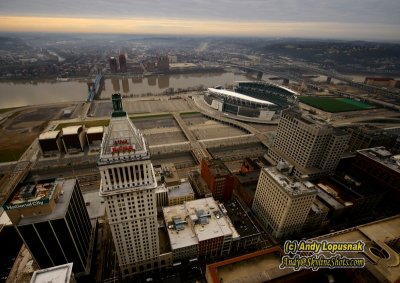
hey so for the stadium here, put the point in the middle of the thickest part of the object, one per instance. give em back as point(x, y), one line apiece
point(251, 99)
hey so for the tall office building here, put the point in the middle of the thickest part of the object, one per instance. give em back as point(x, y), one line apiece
point(311, 145)
point(122, 63)
point(162, 63)
point(53, 222)
point(113, 65)
point(128, 186)
point(281, 203)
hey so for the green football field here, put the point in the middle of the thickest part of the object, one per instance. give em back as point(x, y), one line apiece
point(334, 104)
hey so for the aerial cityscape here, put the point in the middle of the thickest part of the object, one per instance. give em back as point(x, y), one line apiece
point(155, 142)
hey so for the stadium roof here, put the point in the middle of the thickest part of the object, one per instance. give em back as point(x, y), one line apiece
point(224, 92)
point(275, 85)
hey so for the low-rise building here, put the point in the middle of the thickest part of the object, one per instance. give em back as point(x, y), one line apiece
point(180, 194)
point(199, 186)
point(50, 142)
point(199, 228)
point(218, 178)
point(167, 174)
point(94, 136)
point(245, 186)
point(57, 274)
point(316, 218)
point(74, 138)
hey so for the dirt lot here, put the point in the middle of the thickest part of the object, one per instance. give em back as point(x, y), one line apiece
point(22, 127)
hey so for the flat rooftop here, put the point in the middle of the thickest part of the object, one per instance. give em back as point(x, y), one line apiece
point(381, 254)
point(378, 236)
point(291, 187)
point(218, 225)
point(49, 135)
point(329, 199)
point(382, 156)
point(217, 167)
point(184, 236)
point(319, 207)
point(170, 173)
point(67, 186)
point(196, 221)
point(71, 130)
point(181, 190)
point(95, 204)
point(56, 274)
point(240, 219)
point(95, 130)
point(250, 177)
point(30, 195)
point(260, 266)
point(303, 170)
point(306, 117)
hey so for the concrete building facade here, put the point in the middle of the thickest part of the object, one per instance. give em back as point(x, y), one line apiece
point(128, 186)
point(312, 146)
point(281, 203)
point(368, 136)
point(74, 138)
point(51, 142)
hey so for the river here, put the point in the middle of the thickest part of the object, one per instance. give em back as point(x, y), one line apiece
point(21, 93)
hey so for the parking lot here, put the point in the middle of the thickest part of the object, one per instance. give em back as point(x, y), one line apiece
point(134, 106)
point(204, 128)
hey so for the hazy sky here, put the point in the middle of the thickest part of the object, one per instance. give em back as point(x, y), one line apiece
point(357, 19)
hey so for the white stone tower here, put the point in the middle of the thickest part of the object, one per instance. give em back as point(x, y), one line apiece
point(128, 186)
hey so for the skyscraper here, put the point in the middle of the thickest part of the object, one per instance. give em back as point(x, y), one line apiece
point(311, 145)
point(53, 222)
point(128, 186)
point(281, 203)
point(122, 63)
point(113, 65)
point(162, 63)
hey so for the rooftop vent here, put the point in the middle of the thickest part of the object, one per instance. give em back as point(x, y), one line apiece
point(28, 191)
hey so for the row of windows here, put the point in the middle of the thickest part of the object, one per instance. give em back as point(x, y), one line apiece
point(139, 174)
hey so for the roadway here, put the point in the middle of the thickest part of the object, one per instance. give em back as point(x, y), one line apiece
point(198, 150)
